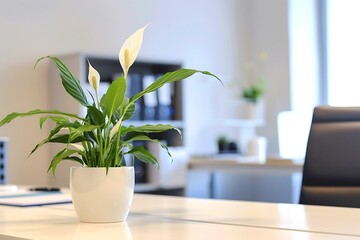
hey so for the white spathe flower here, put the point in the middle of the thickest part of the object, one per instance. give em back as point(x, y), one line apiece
point(77, 146)
point(115, 129)
point(94, 78)
point(130, 50)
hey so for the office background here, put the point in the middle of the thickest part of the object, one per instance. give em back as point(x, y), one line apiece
point(207, 34)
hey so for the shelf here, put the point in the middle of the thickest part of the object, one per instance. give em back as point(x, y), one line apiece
point(177, 124)
point(241, 122)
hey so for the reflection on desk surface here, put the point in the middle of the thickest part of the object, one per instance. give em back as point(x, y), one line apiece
point(175, 218)
point(274, 181)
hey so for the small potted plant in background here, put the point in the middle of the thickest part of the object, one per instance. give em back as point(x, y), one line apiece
point(102, 186)
point(222, 143)
point(253, 102)
point(226, 146)
point(254, 92)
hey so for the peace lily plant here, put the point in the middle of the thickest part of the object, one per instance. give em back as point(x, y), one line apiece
point(100, 139)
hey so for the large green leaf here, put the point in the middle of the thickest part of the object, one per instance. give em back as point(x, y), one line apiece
point(40, 144)
point(70, 83)
point(75, 133)
point(110, 158)
point(149, 128)
point(95, 115)
point(168, 78)
point(60, 126)
point(55, 130)
point(61, 138)
point(64, 138)
point(64, 154)
point(52, 133)
point(56, 119)
point(130, 110)
point(14, 115)
point(135, 136)
point(143, 155)
point(114, 96)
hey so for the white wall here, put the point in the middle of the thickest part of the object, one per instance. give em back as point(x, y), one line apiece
point(206, 34)
point(269, 32)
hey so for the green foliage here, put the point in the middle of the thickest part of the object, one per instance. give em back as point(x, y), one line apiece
point(114, 96)
point(254, 92)
point(87, 139)
point(222, 140)
point(70, 83)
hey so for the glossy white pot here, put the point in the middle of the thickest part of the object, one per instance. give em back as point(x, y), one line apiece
point(99, 197)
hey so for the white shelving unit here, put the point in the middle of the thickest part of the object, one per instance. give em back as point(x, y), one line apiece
point(176, 123)
point(246, 130)
point(243, 123)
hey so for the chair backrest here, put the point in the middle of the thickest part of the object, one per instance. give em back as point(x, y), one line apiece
point(331, 173)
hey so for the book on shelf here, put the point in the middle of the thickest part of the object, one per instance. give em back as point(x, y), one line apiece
point(133, 86)
point(150, 99)
point(165, 110)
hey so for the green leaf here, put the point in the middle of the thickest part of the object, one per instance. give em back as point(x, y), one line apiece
point(61, 126)
point(95, 115)
point(40, 144)
point(56, 119)
point(75, 159)
point(135, 136)
point(46, 140)
point(114, 96)
point(148, 128)
point(143, 155)
point(130, 111)
point(80, 130)
point(61, 156)
point(14, 115)
point(64, 138)
point(255, 91)
point(70, 83)
point(61, 138)
point(110, 158)
point(168, 78)
point(58, 138)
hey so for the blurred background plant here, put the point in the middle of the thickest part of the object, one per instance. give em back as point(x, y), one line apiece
point(256, 87)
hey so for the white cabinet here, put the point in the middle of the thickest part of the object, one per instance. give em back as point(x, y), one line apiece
point(240, 178)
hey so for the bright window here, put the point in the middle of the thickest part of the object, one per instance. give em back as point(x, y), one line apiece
point(343, 50)
point(294, 125)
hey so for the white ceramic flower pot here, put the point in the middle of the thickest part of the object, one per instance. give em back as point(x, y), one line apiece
point(101, 198)
point(254, 110)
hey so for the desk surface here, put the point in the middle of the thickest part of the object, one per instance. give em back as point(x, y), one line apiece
point(182, 218)
point(233, 162)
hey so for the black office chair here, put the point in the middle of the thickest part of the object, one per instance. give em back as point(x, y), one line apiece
point(331, 173)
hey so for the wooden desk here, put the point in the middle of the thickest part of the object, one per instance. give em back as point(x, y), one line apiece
point(161, 217)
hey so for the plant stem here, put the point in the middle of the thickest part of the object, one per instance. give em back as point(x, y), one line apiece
point(100, 148)
point(118, 134)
